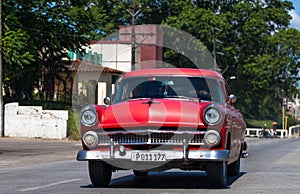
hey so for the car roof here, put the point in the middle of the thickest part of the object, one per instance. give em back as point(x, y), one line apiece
point(173, 71)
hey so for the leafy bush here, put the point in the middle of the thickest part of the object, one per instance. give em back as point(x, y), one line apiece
point(73, 125)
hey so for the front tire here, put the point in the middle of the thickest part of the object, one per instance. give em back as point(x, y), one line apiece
point(100, 173)
point(217, 174)
point(234, 168)
point(140, 173)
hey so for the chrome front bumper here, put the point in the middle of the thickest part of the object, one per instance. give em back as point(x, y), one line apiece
point(200, 155)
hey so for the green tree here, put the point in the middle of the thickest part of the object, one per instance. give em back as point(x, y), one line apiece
point(263, 65)
point(42, 32)
point(259, 48)
point(17, 56)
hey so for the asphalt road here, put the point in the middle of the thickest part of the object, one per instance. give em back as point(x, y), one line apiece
point(16, 152)
point(44, 166)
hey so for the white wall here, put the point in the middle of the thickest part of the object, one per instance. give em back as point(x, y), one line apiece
point(101, 92)
point(34, 122)
point(116, 56)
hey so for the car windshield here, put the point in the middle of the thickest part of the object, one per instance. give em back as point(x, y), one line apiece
point(201, 88)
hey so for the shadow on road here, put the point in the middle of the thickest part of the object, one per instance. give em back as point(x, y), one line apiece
point(168, 180)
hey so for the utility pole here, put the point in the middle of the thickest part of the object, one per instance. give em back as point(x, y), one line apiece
point(214, 48)
point(133, 13)
point(214, 41)
point(1, 94)
point(133, 35)
point(283, 116)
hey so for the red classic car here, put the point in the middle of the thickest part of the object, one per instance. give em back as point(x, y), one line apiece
point(162, 119)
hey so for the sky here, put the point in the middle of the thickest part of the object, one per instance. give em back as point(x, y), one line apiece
point(295, 23)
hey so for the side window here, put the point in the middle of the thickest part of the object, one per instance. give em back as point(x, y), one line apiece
point(225, 90)
point(122, 92)
point(125, 92)
point(216, 91)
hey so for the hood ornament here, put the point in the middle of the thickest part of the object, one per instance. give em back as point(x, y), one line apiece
point(150, 102)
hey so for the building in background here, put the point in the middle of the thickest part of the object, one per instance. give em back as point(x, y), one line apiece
point(94, 72)
point(292, 106)
point(296, 107)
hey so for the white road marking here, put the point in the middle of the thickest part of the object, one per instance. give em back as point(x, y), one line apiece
point(48, 185)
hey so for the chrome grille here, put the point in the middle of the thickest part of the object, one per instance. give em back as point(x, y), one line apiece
point(129, 138)
point(151, 137)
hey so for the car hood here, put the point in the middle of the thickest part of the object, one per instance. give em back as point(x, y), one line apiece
point(154, 112)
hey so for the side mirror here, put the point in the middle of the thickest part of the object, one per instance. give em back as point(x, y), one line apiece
point(107, 100)
point(232, 99)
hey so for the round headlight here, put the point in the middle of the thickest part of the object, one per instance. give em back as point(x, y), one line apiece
point(212, 116)
point(88, 117)
point(212, 138)
point(90, 138)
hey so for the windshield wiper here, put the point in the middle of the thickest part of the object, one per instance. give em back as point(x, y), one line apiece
point(175, 96)
point(138, 98)
point(184, 97)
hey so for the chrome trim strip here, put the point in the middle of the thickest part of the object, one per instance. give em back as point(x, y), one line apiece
point(145, 143)
point(199, 155)
point(185, 150)
point(147, 131)
point(153, 137)
point(112, 149)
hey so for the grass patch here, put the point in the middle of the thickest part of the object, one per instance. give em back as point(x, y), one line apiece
point(74, 125)
point(252, 123)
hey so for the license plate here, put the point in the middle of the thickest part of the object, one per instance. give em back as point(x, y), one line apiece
point(148, 156)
